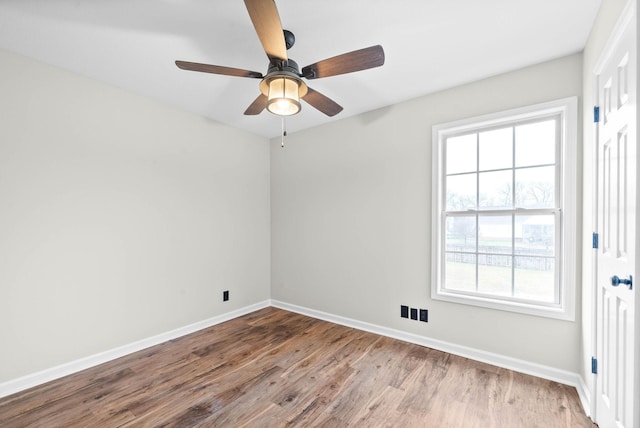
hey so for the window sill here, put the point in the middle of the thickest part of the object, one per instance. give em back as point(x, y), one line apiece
point(551, 310)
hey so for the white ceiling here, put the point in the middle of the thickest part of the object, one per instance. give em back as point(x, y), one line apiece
point(429, 45)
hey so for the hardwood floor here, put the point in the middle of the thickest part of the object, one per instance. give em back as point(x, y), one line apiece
point(275, 368)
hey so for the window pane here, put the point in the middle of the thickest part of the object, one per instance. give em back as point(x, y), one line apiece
point(461, 234)
point(535, 187)
point(500, 182)
point(494, 274)
point(461, 192)
point(535, 235)
point(536, 143)
point(534, 279)
point(461, 154)
point(495, 234)
point(496, 149)
point(460, 272)
point(495, 189)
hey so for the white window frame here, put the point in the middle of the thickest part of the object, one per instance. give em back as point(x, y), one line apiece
point(566, 254)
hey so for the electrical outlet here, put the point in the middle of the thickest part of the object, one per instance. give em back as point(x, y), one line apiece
point(414, 314)
point(225, 295)
point(424, 315)
point(404, 311)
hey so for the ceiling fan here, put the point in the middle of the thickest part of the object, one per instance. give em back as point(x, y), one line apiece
point(282, 87)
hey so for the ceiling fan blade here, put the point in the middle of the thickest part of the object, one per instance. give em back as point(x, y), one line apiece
point(218, 69)
point(321, 102)
point(257, 105)
point(266, 21)
point(361, 59)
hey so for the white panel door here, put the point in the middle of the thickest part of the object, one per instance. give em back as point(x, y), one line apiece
point(617, 398)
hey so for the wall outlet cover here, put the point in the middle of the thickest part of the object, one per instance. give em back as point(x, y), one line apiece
point(414, 314)
point(424, 315)
point(404, 311)
point(225, 295)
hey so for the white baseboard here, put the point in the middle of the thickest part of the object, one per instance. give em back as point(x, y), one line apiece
point(35, 379)
point(522, 366)
point(584, 392)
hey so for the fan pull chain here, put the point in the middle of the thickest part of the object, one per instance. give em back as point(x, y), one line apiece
point(284, 132)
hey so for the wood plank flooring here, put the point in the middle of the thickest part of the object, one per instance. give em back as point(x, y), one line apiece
point(274, 368)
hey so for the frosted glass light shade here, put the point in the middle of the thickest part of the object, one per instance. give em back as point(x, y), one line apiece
point(283, 98)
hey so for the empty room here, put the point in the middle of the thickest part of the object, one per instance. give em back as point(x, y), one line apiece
point(274, 213)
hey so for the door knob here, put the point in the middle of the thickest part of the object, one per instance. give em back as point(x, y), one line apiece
point(615, 281)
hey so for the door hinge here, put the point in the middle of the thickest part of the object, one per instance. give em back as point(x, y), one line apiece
point(596, 114)
point(594, 243)
point(594, 365)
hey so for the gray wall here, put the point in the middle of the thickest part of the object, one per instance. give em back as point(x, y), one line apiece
point(120, 218)
point(351, 218)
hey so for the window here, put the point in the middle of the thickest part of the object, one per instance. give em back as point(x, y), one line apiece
point(504, 221)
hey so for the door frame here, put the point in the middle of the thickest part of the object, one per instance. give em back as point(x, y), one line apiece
point(628, 16)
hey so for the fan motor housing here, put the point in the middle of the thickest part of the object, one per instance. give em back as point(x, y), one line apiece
point(290, 70)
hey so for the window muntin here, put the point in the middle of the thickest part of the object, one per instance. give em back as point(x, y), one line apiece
point(499, 205)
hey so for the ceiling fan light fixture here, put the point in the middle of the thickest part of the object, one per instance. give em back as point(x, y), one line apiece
point(283, 96)
point(282, 87)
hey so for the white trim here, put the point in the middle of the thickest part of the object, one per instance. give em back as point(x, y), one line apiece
point(521, 366)
point(627, 17)
point(584, 393)
point(568, 107)
point(38, 378)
